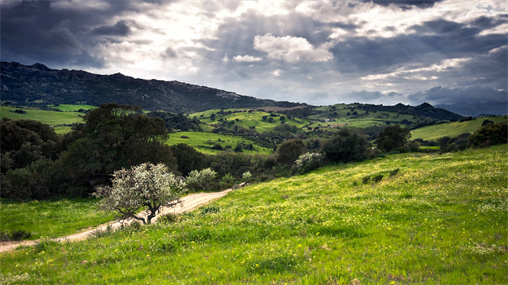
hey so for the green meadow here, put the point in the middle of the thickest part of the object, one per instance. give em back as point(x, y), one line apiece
point(354, 117)
point(45, 116)
point(72, 108)
point(204, 142)
point(51, 218)
point(453, 129)
point(247, 119)
point(429, 219)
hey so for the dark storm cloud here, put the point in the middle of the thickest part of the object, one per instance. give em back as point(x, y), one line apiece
point(405, 4)
point(119, 29)
point(432, 41)
point(440, 95)
point(489, 69)
point(43, 31)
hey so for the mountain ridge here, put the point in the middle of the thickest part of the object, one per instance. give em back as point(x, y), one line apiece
point(39, 84)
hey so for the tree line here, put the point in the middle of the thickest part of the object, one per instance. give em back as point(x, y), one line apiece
point(36, 163)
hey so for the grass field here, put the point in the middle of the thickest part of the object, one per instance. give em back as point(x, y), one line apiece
point(247, 119)
point(453, 129)
point(47, 117)
point(349, 115)
point(72, 108)
point(439, 219)
point(203, 142)
point(50, 218)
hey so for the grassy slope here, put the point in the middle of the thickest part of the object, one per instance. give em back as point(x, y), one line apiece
point(441, 219)
point(246, 119)
point(453, 129)
point(203, 141)
point(50, 218)
point(47, 117)
point(72, 108)
point(362, 120)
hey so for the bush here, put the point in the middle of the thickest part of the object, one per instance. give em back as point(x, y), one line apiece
point(393, 137)
point(246, 175)
point(36, 181)
point(14, 235)
point(394, 172)
point(377, 178)
point(490, 134)
point(309, 161)
point(227, 181)
point(289, 151)
point(347, 145)
point(188, 158)
point(201, 180)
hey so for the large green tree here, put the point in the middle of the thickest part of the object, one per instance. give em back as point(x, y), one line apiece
point(289, 151)
point(188, 158)
point(114, 137)
point(26, 141)
point(393, 137)
point(345, 146)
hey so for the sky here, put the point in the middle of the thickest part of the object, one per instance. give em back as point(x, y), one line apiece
point(318, 52)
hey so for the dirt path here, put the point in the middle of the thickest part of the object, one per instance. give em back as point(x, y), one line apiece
point(189, 203)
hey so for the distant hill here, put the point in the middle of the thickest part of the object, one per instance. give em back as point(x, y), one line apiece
point(37, 84)
point(480, 109)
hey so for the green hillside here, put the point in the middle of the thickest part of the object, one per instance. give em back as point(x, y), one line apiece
point(204, 142)
point(438, 219)
point(72, 108)
point(352, 115)
point(246, 118)
point(61, 121)
point(452, 129)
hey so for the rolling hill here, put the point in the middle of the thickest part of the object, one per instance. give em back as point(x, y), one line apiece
point(420, 224)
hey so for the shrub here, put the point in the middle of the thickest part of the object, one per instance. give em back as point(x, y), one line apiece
point(188, 158)
point(35, 181)
point(347, 145)
point(490, 134)
point(309, 161)
point(377, 178)
point(145, 185)
point(203, 179)
point(394, 172)
point(14, 235)
point(393, 137)
point(289, 151)
point(167, 219)
point(227, 181)
point(246, 175)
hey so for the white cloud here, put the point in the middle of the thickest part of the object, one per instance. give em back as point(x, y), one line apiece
point(246, 58)
point(290, 49)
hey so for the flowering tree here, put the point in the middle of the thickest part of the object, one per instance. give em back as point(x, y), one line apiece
point(309, 161)
point(145, 185)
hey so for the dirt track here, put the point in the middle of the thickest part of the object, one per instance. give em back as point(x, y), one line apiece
point(189, 203)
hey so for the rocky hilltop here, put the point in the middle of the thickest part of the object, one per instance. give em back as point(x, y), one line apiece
point(38, 84)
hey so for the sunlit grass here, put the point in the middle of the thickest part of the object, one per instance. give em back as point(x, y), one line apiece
point(72, 108)
point(452, 129)
point(439, 219)
point(47, 117)
point(247, 119)
point(203, 142)
point(52, 218)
